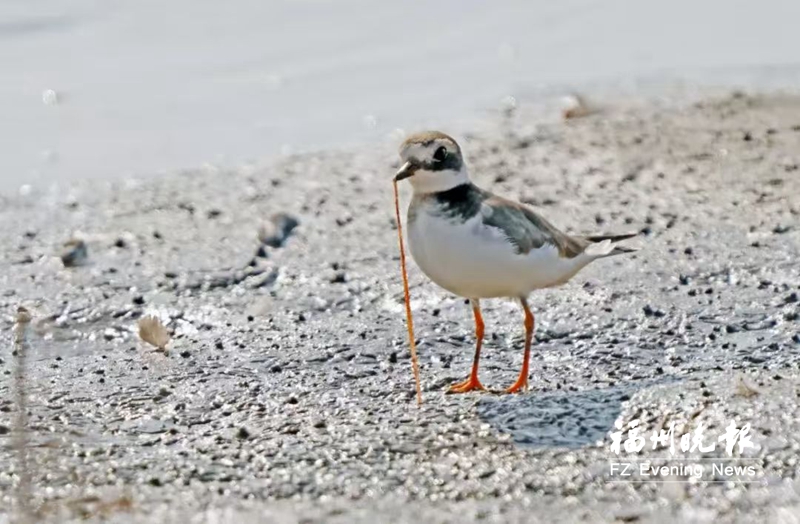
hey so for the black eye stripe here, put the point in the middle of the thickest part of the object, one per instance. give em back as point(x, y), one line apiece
point(449, 162)
point(440, 154)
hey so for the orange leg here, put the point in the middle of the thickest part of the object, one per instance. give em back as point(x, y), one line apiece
point(472, 383)
point(522, 382)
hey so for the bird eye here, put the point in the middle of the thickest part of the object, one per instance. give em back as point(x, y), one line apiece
point(440, 154)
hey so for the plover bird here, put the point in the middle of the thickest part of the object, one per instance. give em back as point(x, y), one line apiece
point(479, 245)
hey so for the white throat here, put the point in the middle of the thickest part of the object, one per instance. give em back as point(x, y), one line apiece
point(435, 181)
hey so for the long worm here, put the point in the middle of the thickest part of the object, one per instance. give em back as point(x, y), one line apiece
point(409, 317)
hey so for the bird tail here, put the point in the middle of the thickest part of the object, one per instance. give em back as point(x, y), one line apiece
point(606, 245)
point(613, 238)
point(621, 250)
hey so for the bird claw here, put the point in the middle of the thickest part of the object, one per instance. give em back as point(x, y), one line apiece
point(520, 386)
point(471, 384)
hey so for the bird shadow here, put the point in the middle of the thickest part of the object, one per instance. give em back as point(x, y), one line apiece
point(569, 419)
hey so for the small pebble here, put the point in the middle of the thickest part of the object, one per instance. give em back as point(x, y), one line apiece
point(50, 97)
point(652, 312)
point(75, 253)
point(275, 232)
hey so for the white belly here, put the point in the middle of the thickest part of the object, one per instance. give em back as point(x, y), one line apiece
point(473, 260)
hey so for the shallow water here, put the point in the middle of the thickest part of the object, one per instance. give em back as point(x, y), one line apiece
point(93, 88)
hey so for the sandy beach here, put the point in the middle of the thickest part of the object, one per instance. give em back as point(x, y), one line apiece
point(286, 393)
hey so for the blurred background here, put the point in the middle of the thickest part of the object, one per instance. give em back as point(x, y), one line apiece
point(112, 88)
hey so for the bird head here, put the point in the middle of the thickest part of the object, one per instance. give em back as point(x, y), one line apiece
point(432, 162)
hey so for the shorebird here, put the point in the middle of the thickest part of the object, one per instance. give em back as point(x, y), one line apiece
point(479, 245)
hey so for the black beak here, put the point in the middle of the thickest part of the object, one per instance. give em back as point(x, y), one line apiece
point(405, 171)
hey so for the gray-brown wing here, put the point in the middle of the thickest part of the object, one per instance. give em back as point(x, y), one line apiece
point(526, 229)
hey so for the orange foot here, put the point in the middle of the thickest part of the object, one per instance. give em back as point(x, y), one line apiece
point(471, 384)
point(519, 386)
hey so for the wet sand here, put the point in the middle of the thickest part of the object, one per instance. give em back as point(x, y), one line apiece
point(286, 394)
